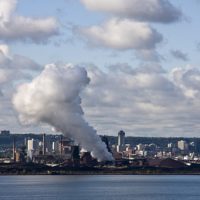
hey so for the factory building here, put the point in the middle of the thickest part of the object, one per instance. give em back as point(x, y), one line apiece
point(65, 147)
point(55, 147)
point(88, 160)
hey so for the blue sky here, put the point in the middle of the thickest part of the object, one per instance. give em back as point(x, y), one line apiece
point(182, 35)
point(126, 54)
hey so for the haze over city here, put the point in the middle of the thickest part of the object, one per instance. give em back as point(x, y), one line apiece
point(111, 66)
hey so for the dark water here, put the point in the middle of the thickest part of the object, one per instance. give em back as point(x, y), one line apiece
point(99, 187)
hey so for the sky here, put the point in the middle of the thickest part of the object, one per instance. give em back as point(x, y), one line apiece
point(141, 56)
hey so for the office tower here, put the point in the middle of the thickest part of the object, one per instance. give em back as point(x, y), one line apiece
point(121, 141)
point(183, 145)
point(30, 148)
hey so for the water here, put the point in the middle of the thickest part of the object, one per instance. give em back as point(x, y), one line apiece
point(99, 187)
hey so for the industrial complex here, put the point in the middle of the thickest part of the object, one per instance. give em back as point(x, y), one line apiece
point(59, 152)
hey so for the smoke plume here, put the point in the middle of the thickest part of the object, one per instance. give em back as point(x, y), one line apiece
point(54, 98)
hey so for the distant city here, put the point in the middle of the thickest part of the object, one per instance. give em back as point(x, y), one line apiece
point(56, 150)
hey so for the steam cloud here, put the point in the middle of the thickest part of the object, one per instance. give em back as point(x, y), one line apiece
point(53, 98)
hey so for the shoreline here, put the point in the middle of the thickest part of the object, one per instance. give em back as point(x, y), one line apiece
point(81, 174)
point(41, 169)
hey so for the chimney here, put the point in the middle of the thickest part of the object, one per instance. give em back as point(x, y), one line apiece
point(61, 145)
point(14, 149)
point(44, 144)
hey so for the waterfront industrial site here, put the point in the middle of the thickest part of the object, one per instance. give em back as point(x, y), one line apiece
point(56, 154)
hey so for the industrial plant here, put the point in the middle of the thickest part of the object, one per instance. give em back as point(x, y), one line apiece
point(20, 153)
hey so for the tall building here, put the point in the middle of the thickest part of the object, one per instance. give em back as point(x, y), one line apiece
point(183, 145)
point(121, 141)
point(31, 147)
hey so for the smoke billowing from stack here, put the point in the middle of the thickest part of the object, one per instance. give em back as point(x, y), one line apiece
point(53, 98)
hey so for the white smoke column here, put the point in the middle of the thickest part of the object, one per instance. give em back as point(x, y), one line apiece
point(53, 98)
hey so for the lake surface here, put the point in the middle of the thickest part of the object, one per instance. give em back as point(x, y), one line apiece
point(99, 187)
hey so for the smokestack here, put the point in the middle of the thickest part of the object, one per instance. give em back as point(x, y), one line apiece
point(14, 149)
point(54, 98)
point(44, 144)
point(61, 145)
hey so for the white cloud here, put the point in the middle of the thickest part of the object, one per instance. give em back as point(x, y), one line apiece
point(6, 9)
point(13, 70)
point(15, 67)
point(14, 27)
point(188, 80)
point(129, 26)
point(146, 10)
point(144, 101)
point(122, 35)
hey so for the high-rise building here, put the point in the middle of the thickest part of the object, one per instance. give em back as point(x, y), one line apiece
point(183, 145)
point(31, 147)
point(121, 141)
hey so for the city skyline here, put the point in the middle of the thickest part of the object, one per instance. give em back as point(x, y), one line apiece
point(142, 65)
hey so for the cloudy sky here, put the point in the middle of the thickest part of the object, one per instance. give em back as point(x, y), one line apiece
point(142, 58)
